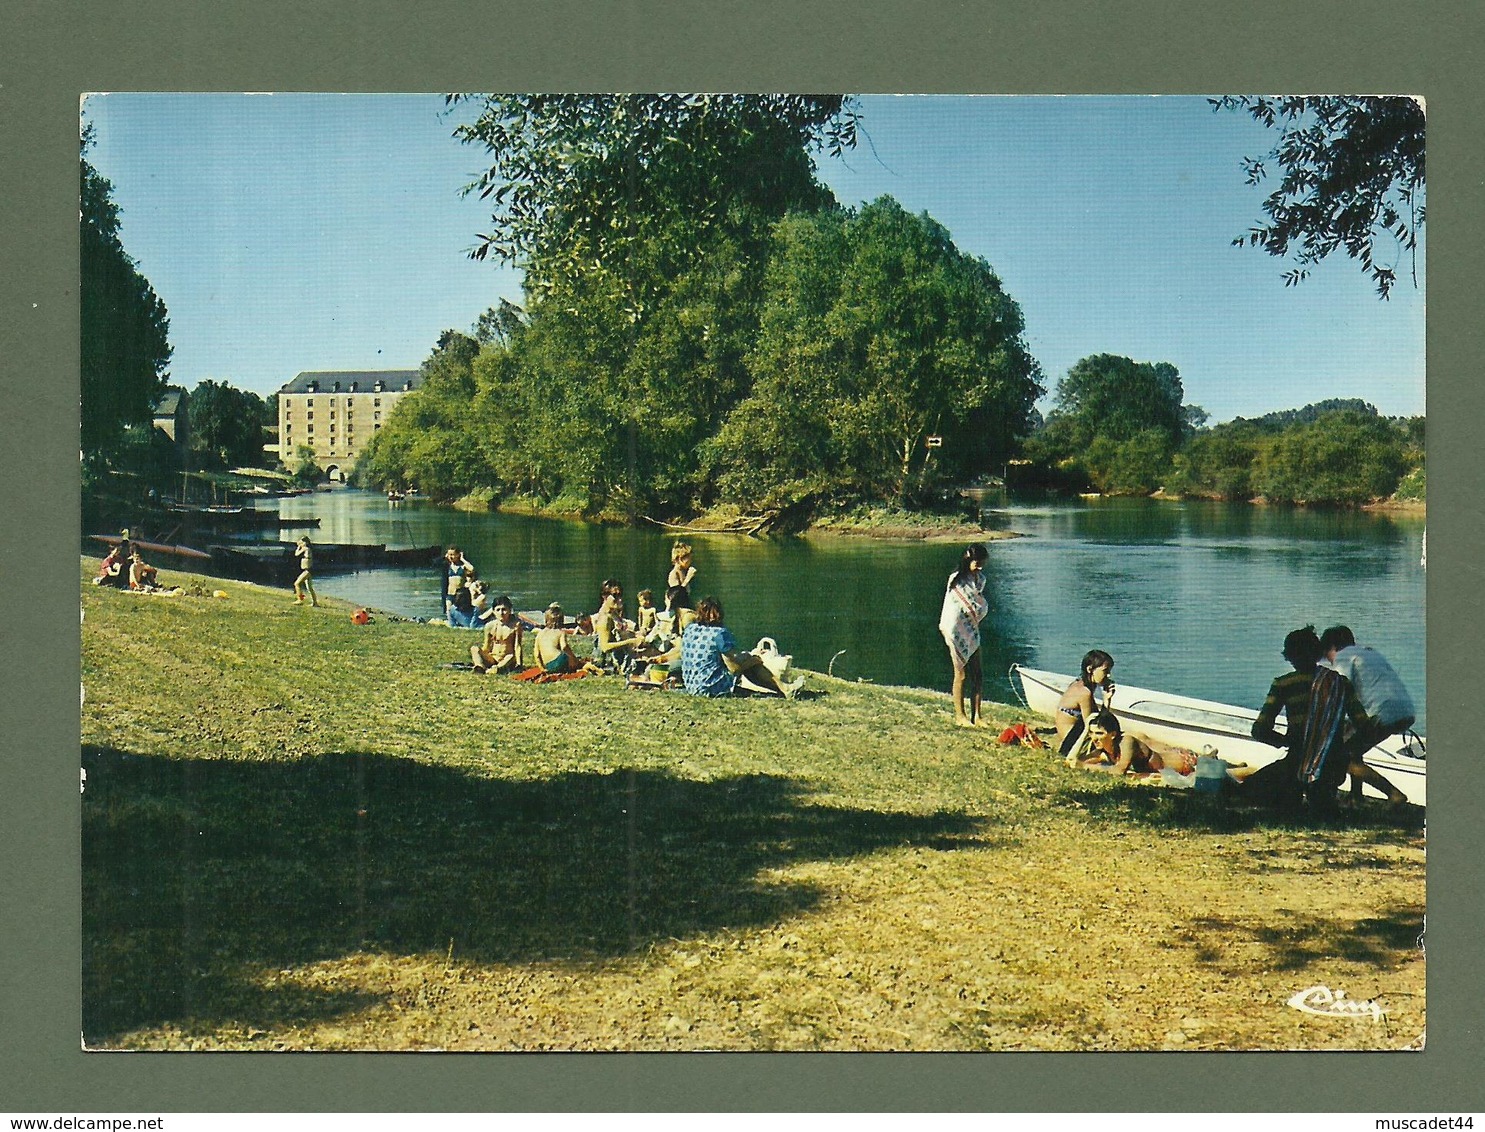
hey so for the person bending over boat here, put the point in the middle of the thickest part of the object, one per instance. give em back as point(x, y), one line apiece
point(711, 664)
point(1385, 699)
point(965, 607)
point(1085, 697)
point(1279, 784)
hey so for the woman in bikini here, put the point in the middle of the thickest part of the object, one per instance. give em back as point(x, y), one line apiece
point(1088, 694)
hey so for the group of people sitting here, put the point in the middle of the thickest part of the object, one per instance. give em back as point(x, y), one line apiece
point(125, 568)
point(682, 645)
point(1340, 700)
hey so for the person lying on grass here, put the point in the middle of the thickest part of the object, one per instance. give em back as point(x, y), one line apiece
point(502, 645)
point(1112, 750)
point(711, 664)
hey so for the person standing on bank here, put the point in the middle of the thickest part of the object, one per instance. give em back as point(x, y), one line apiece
point(1384, 698)
point(303, 584)
point(965, 607)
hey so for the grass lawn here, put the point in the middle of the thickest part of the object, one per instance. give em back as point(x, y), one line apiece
point(300, 833)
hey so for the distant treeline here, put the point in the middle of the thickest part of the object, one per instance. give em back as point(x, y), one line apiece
point(1117, 429)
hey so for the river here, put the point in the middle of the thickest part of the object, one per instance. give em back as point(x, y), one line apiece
point(1189, 597)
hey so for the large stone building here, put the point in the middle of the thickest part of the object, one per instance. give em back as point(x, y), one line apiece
point(336, 413)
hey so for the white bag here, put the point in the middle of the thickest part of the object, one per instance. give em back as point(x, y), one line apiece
point(767, 650)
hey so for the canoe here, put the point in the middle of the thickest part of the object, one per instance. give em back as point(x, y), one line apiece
point(1187, 722)
point(155, 547)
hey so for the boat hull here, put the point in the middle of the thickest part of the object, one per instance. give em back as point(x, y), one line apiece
point(1188, 722)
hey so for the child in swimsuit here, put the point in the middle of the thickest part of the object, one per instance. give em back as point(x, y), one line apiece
point(1078, 704)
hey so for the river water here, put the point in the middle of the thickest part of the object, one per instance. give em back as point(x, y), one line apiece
point(1189, 597)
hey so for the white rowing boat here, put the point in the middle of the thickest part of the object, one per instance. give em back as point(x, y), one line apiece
point(1187, 722)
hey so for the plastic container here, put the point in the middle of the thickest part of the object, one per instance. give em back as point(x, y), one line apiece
point(1210, 775)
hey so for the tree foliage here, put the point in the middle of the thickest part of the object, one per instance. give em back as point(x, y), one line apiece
point(125, 345)
point(1117, 423)
point(226, 425)
point(876, 333)
point(1318, 454)
point(1352, 178)
point(581, 179)
point(806, 360)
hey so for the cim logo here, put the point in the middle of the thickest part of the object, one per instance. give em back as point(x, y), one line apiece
point(1334, 1004)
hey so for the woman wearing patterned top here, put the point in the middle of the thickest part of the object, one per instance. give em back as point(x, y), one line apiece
point(711, 665)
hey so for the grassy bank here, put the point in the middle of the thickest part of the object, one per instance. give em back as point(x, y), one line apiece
point(299, 833)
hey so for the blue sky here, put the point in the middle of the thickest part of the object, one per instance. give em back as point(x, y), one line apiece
point(323, 231)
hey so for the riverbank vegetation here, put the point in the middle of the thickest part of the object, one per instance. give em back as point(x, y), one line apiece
point(1119, 427)
point(302, 833)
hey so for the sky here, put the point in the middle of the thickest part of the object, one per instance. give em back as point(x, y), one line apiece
point(293, 232)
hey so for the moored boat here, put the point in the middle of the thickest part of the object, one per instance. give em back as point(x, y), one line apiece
point(1188, 722)
point(156, 547)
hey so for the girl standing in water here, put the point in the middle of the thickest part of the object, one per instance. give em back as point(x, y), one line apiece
point(965, 607)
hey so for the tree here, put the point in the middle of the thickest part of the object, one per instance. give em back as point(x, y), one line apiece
point(499, 325)
point(1341, 457)
point(1118, 398)
point(1353, 179)
point(304, 469)
point(226, 425)
point(125, 327)
point(876, 333)
point(580, 181)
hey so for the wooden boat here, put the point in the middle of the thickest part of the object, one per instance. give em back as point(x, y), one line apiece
point(1187, 722)
point(156, 547)
point(327, 555)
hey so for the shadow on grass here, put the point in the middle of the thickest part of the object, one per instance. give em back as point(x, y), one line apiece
point(1186, 809)
point(202, 878)
point(1300, 940)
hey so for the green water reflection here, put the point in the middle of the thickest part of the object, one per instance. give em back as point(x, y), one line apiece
point(1189, 597)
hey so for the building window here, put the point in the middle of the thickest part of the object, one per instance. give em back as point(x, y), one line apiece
point(310, 402)
point(376, 416)
point(376, 426)
point(377, 401)
point(311, 428)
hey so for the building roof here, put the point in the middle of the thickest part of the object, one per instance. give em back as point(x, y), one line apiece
point(170, 402)
point(393, 380)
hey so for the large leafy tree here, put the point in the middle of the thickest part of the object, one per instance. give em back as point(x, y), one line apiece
point(877, 333)
point(226, 425)
point(1117, 422)
point(1352, 176)
point(579, 181)
point(125, 327)
point(642, 224)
